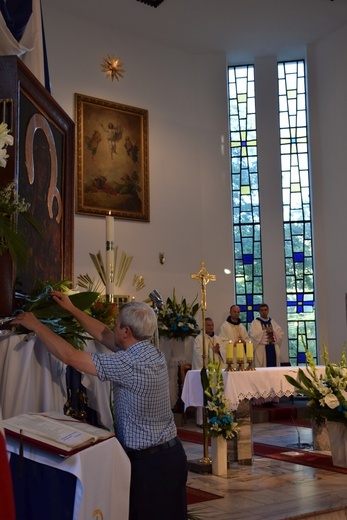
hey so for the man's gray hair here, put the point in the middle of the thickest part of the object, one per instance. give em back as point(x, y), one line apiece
point(141, 319)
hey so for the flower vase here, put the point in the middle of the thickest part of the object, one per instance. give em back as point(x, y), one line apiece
point(338, 442)
point(320, 436)
point(6, 285)
point(219, 452)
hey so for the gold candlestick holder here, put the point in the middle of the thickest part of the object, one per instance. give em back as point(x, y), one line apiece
point(229, 367)
point(240, 364)
point(250, 364)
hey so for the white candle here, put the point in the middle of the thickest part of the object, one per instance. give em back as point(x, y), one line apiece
point(249, 350)
point(109, 256)
point(109, 228)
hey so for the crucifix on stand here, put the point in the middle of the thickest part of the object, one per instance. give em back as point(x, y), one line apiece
point(203, 277)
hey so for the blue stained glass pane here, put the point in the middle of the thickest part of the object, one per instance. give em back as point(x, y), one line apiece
point(298, 257)
point(248, 259)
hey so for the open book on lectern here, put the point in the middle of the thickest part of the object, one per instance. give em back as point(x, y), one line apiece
point(54, 432)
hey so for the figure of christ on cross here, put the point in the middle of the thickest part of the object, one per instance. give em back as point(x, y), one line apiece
point(203, 277)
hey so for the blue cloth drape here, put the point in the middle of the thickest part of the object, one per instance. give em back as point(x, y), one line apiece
point(41, 492)
point(16, 14)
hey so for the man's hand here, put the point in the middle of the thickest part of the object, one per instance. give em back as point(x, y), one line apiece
point(26, 320)
point(63, 300)
point(216, 348)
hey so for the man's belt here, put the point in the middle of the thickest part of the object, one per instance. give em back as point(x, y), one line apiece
point(139, 454)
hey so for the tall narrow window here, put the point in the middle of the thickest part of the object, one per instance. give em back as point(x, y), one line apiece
point(296, 210)
point(245, 191)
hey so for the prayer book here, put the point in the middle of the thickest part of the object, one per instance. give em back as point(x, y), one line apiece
point(54, 432)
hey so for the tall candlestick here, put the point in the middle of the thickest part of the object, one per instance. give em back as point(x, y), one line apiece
point(109, 257)
point(249, 350)
point(240, 350)
point(230, 350)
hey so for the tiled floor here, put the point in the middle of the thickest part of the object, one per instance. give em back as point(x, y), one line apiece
point(270, 489)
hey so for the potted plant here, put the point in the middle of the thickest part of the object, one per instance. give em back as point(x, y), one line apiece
point(221, 426)
point(177, 319)
point(327, 399)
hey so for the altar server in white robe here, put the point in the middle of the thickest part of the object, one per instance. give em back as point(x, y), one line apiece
point(267, 336)
point(214, 348)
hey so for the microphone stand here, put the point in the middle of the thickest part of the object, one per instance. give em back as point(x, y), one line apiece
point(158, 303)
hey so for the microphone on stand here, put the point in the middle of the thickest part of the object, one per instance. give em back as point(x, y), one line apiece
point(158, 302)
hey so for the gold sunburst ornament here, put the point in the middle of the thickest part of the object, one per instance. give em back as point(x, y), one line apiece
point(112, 67)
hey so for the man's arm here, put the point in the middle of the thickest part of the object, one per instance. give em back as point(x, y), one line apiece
point(197, 353)
point(60, 348)
point(223, 332)
point(94, 327)
point(278, 332)
point(244, 333)
point(256, 332)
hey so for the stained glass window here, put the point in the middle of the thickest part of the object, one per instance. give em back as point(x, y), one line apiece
point(245, 191)
point(298, 250)
point(296, 209)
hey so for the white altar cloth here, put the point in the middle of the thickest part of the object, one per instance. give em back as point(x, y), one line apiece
point(103, 477)
point(33, 380)
point(262, 382)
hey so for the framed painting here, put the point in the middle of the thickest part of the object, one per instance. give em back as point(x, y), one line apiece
point(42, 164)
point(112, 159)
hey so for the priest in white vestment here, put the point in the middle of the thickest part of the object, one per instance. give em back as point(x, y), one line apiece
point(214, 348)
point(232, 328)
point(267, 336)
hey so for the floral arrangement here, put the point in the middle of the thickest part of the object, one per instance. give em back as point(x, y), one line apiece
point(11, 207)
point(5, 140)
point(46, 310)
point(105, 312)
point(177, 319)
point(219, 419)
point(327, 394)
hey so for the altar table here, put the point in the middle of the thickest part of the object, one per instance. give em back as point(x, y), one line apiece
point(102, 478)
point(240, 385)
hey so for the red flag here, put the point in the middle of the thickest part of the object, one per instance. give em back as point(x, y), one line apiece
point(7, 509)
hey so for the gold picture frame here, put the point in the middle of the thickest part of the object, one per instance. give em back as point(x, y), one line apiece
point(112, 159)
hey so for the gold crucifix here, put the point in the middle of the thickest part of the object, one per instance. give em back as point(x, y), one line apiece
point(204, 277)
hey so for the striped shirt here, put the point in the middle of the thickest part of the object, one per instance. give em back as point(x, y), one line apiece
point(141, 394)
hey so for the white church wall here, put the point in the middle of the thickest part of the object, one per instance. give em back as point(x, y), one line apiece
point(270, 193)
point(190, 215)
point(189, 165)
point(327, 75)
